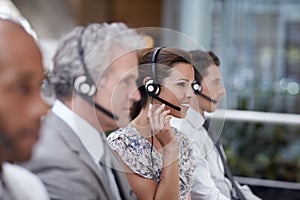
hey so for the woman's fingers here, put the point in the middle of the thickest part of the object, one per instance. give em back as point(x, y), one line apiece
point(160, 109)
point(150, 117)
point(157, 116)
point(167, 120)
point(163, 117)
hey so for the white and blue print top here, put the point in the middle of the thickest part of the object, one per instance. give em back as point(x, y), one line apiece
point(135, 150)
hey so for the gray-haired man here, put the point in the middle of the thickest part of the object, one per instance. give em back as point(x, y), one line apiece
point(93, 77)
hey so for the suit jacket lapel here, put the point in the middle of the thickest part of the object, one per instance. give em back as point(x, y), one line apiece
point(75, 145)
point(125, 190)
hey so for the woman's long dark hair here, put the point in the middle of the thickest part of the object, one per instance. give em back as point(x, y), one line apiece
point(166, 59)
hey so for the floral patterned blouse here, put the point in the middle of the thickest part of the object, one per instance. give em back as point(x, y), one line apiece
point(135, 151)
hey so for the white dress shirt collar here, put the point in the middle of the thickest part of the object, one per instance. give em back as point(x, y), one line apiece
point(91, 138)
point(192, 116)
point(195, 119)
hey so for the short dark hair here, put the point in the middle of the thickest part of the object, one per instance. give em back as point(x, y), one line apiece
point(202, 60)
point(214, 58)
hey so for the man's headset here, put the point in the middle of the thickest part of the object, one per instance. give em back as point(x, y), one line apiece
point(152, 86)
point(84, 84)
point(22, 22)
point(196, 85)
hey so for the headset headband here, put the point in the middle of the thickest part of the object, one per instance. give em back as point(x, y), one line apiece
point(81, 55)
point(21, 21)
point(154, 58)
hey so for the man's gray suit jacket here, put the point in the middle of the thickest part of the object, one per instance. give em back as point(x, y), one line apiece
point(67, 169)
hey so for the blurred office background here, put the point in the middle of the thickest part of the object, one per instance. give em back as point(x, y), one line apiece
point(258, 42)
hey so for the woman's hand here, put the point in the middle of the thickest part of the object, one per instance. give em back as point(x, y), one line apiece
point(159, 119)
point(168, 187)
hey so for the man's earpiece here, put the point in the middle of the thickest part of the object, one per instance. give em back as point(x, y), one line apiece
point(196, 85)
point(83, 86)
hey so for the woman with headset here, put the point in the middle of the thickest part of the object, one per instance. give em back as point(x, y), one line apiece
point(157, 157)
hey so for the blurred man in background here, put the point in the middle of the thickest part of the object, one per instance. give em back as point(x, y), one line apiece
point(21, 108)
point(213, 178)
point(94, 74)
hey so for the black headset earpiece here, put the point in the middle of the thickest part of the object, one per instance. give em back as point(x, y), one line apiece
point(196, 85)
point(152, 86)
point(83, 84)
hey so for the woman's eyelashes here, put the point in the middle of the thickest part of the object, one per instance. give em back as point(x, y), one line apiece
point(182, 84)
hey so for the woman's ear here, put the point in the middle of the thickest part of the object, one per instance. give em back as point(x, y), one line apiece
point(146, 79)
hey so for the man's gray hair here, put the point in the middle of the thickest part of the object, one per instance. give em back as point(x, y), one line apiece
point(98, 41)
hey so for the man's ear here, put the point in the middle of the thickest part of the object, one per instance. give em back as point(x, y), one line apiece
point(146, 79)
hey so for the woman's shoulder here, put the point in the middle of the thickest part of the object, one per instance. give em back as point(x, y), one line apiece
point(126, 139)
point(133, 149)
point(122, 133)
